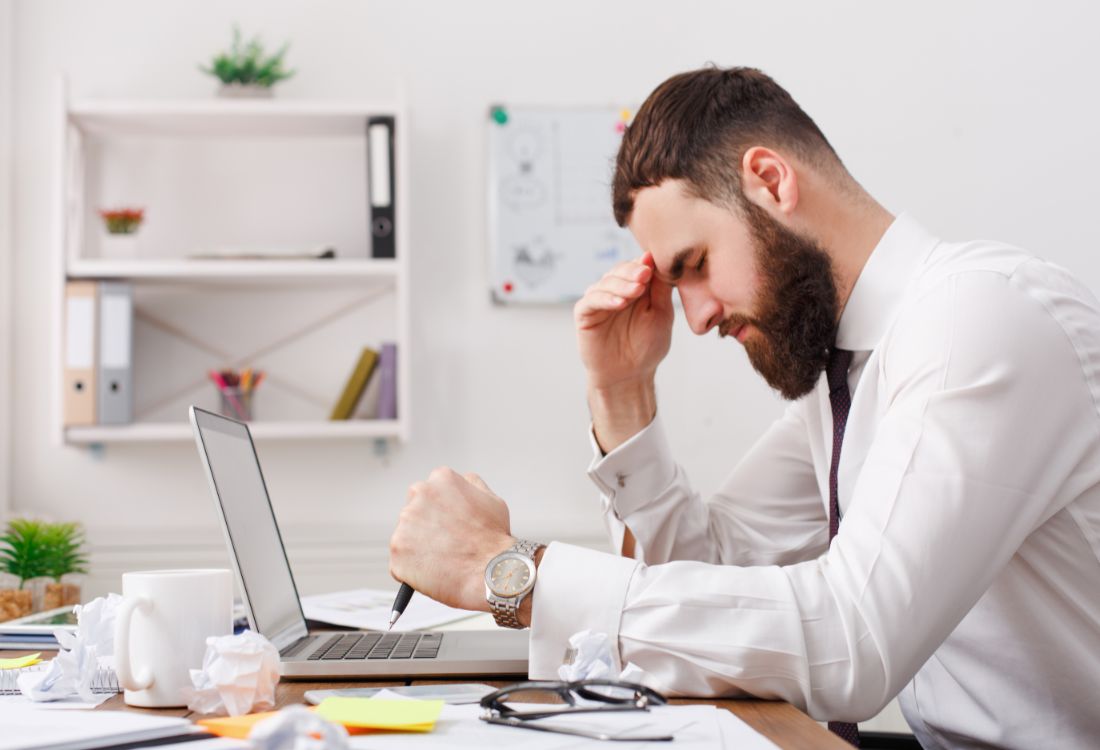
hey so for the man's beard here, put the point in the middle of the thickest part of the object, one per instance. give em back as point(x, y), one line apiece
point(797, 307)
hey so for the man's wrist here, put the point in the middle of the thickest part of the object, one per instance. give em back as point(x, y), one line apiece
point(621, 411)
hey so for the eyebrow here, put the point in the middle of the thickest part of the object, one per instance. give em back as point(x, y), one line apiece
point(676, 270)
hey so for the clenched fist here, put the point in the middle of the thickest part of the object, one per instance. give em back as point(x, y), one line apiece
point(452, 525)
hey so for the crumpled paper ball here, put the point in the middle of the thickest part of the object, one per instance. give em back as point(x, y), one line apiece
point(298, 728)
point(80, 654)
point(592, 660)
point(239, 674)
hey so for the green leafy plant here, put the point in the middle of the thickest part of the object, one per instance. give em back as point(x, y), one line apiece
point(32, 549)
point(64, 544)
point(246, 63)
point(23, 553)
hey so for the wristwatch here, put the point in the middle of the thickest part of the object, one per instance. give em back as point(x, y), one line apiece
point(509, 578)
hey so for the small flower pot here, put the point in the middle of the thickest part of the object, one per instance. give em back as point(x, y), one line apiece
point(37, 588)
point(60, 594)
point(14, 603)
point(245, 91)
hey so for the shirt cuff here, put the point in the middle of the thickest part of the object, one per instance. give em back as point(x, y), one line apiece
point(635, 473)
point(576, 589)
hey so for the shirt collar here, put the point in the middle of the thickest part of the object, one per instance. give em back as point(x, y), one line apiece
point(878, 291)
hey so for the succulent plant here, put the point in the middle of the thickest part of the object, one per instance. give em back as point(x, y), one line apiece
point(32, 549)
point(65, 550)
point(248, 64)
point(23, 551)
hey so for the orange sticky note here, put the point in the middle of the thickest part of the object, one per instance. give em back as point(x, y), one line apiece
point(236, 727)
point(239, 727)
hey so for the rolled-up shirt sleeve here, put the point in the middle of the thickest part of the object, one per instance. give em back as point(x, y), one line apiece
point(965, 463)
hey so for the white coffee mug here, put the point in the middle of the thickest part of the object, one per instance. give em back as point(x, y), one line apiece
point(161, 630)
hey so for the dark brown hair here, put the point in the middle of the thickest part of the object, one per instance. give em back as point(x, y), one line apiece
point(696, 126)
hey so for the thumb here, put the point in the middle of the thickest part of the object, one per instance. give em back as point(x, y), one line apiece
point(660, 294)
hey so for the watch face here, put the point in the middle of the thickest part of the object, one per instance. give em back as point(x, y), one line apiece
point(509, 576)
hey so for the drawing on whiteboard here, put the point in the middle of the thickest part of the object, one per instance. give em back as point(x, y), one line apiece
point(552, 232)
point(533, 263)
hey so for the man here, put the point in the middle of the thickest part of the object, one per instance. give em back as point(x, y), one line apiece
point(943, 426)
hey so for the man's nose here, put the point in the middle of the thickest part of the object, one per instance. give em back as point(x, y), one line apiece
point(702, 311)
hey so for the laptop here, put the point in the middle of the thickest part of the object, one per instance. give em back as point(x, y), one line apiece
point(271, 596)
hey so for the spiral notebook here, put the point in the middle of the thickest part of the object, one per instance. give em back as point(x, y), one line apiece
point(104, 683)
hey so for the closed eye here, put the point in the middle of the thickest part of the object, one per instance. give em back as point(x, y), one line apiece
point(701, 262)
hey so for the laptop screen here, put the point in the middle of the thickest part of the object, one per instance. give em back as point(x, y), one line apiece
point(238, 484)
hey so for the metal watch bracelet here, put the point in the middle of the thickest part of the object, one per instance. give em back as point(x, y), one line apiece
point(505, 612)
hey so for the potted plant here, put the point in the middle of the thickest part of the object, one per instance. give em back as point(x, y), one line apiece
point(65, 558)
point(121, 225)
point(246, 70)
point(22, 558)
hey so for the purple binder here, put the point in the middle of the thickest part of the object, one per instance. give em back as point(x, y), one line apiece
point(387, 382)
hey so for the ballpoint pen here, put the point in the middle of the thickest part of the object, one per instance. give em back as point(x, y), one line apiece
point(403, 595)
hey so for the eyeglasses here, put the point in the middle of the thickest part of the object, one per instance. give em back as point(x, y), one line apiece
point(581, 697)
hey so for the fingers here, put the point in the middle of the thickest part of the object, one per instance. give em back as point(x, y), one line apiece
point(443, 474)
point(594, 306)
point(477, 481)
point(618, 287)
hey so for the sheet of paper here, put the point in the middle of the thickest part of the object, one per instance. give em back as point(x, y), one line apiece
point(66, 704)
point(694, 727)
point(369, 609)
point(403, 715)
point(457, 693)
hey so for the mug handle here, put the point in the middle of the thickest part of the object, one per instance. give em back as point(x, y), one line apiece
point(126, 677)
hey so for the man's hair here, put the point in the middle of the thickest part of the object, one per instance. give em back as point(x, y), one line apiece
point(696, 126)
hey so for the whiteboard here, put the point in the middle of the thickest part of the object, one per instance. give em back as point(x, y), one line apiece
point(552, 232)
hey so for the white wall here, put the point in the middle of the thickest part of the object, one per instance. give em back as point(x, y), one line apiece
point(974, 116)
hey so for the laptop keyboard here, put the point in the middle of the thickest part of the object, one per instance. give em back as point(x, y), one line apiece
point(371, 646)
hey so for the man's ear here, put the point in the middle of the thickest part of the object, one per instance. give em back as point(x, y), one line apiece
point(769, 181)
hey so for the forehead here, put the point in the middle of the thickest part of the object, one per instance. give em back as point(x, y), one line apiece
point(668, 220)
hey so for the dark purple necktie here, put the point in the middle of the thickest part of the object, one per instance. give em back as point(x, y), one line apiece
point(837, 374)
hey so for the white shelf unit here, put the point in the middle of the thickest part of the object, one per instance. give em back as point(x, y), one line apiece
point(163, 432)
point(380, 282)
point(213, 271)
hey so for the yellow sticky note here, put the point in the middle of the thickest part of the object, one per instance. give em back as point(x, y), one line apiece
point(375, 713)
point(21, 661)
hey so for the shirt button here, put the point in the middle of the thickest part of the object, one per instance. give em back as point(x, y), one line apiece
point(621, 478)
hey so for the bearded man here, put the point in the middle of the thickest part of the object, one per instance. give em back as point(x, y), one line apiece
point(924, 518)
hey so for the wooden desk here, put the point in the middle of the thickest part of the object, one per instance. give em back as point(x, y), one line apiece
point(780, 722)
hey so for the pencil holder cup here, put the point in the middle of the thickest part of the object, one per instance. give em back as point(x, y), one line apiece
point(236, 403)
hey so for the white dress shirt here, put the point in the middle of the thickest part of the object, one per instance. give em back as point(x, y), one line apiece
point(966, 574)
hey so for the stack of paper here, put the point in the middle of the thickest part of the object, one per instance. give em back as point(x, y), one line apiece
point(30, 729)
point(369, 609)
